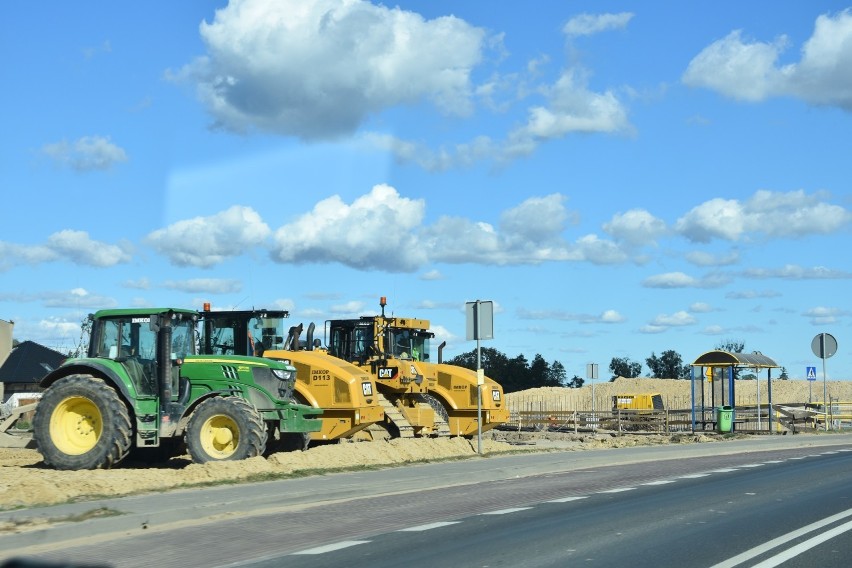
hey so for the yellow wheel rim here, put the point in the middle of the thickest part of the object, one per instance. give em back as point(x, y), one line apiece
point(220, 437)
point(76, 425)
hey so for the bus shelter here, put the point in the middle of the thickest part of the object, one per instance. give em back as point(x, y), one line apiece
point(719, 369)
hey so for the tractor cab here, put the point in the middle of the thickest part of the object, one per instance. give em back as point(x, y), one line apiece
point(378, 337)
point(148, 347)
point(243, 332)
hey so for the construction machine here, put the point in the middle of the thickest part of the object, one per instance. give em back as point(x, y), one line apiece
point(346, 394)
point(143, 386)
point(396, 351)
point(645, 401)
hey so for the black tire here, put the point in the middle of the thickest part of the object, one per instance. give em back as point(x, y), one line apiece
point(82, 423)
point(225, 429)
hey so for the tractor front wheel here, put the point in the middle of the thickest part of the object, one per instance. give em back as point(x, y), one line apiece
point(225, 429)
point(82, 423)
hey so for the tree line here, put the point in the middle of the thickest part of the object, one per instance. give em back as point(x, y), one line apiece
point(519, 373)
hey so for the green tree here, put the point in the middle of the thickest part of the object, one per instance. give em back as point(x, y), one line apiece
point(82, 347)
point(669, 365)
point(784, 376)
point(624, 367)
point(514, 374)
point(731, 346)
point(557, 376)
point(576, 382)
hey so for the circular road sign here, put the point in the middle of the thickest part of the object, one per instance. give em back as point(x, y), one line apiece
point(824, 345)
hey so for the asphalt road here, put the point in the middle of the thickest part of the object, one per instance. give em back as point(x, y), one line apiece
point(700, 504)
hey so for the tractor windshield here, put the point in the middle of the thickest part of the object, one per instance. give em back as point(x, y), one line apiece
point(352, 341)
point(409, 344)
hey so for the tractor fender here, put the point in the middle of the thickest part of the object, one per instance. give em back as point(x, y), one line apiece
point(89, 368)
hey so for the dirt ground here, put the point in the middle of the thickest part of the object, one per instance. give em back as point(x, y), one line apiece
point(26, 482)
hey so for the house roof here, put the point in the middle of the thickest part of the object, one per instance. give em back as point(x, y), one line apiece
point(29, 362)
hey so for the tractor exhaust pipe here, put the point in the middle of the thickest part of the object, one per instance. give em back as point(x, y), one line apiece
point(441, 352)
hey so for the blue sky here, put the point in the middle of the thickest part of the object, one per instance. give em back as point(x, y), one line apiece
point(618, 178)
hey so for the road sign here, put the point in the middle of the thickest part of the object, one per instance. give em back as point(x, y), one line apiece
point(824, 345)
point(592, 371)
point(811, 373)
point(480, 320)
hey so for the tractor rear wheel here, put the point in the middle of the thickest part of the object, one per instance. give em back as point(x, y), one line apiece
point(225, 429)
point(82, 423)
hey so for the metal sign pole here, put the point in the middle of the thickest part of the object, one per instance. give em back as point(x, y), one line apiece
point(824, 388)
point(479, 380)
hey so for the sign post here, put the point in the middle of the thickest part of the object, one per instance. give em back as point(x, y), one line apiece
point(810, 374)
point(480, 325)
point(824, 346)
point(592, 374)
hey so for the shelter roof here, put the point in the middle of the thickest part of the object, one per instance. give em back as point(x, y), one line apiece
point(728, 359)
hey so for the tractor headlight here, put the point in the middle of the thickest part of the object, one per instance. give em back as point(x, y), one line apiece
point(286, 375)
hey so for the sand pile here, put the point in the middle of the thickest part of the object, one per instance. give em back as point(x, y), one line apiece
point(676, 393)
point(25, 481)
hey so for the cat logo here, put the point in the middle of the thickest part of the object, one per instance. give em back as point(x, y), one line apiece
point(386, 372)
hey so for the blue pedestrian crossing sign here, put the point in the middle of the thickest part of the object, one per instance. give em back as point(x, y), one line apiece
point(811, 372)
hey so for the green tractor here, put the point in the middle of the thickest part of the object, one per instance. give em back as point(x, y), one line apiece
point(142, 386)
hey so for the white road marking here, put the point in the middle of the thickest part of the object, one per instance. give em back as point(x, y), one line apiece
point(429, 526)
point(752, 465)
point(507, 511)
point(693, 476)
point(798, 549)
point(724, 470)
point(567, 499)
point(660, 482)
point(332, 547)
point(783, 539)
point(617, 490)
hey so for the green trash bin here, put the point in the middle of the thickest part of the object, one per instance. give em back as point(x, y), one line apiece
point(724, 418)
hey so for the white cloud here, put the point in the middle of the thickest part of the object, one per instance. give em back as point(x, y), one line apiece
point(588, 24)
point(376, 231)
point(85, 154)
point(701, 258)
point(206, 241)
point(701, 308)
point(432, 275)
point(348, 309)
point(752, 294)
point(78, 298)
point(65, 245)
point(795, 272)
point(719, 218)
point(682, 280)
point(635, 227)
point(773, 214)
point(79, 248)
point(529, 233)
point(612, 316)
point(608, 316)
point(822, 315)
point(205, 285)
point(676, 319)
point(598, 251)
point(749, 70)
point(319, 69)
point(571, 107)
